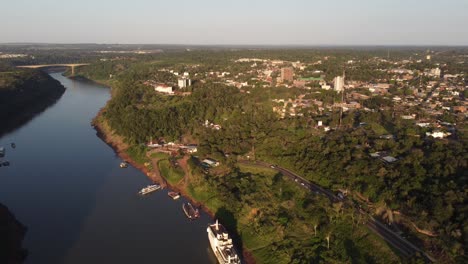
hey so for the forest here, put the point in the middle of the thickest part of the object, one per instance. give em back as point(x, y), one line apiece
point(424, 190)
point(23, 94)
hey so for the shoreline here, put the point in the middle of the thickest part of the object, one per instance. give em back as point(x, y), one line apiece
point(37, 101)
point(119, 147)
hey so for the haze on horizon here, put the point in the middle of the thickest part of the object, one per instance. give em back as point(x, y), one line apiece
point(250, 22)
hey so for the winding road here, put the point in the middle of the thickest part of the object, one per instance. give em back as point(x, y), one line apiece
point(406, 248)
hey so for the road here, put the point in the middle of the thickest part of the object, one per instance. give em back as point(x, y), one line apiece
point(405, 247)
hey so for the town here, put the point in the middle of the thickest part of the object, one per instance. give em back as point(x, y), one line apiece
point(362, 145)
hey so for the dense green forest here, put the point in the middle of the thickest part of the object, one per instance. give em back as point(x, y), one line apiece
point(426, 188)
point(23, 94)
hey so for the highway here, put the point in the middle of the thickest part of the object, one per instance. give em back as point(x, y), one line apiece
point(405, 247)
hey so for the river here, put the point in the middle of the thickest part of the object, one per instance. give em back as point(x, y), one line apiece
point(65, 185)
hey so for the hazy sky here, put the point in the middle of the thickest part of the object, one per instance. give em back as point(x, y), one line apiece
point(307, 22)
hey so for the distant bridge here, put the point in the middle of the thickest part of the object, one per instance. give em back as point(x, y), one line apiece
point(72, 65)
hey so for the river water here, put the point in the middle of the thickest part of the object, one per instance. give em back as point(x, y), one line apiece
point(66, 186)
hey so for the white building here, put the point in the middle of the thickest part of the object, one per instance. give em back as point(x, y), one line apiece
point(436, 72)
point(437, 134)
point(184, 82)
point(339, 83)
point(326, 87)
point(164, 89)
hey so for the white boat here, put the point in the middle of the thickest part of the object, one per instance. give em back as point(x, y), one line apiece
point(123, 165)
point(2, 152)
point(149, 189)
point(222, 245)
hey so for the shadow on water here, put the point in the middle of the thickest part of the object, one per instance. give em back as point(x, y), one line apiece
point(229, 221)
point(12, 233)
point(46, 186)
point(28, 110)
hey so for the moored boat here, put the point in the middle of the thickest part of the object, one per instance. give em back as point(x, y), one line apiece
point(222, 245)
point(149, 189)
point(190, 211)
point(123, 164)
point(2, 152)
point(174, 195)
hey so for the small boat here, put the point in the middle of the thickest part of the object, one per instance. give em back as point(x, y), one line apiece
point(2, 152)
point(190, 211)
point(13, 145)
point(174, 195)
point(5, 163)
point(123, 165)
point(149, 189)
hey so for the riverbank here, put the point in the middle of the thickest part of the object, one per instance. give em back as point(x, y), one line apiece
point(12, 234)
point(25, 94)
point(105, 133)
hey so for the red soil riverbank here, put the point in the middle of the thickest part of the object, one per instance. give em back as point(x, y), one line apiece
point(105, 133)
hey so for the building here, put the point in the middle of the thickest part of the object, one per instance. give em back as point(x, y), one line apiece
point(287, 74)
point(162, 88)
point(437, 134)
point(436, 72)
point(184, 82)
point(339, 83)
point(210, 162)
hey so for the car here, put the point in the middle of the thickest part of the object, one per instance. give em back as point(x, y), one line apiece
point(296, 180)
point(272, 166)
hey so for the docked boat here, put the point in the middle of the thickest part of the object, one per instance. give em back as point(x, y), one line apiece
point(174, 195)
point(123, 165)
point(190, 211)
point(2, 152)
point(149, 189)
point(222, 245)
point(13, 145)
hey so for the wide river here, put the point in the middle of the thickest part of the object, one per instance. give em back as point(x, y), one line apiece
point(65, 185)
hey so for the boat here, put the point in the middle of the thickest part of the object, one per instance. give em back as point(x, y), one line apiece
point(222, 245)
point(149, 189)
point(13, 145)
point(174, 195)
point(190, 211)
point(5, 163)
point(123, 165)
point(2, 152)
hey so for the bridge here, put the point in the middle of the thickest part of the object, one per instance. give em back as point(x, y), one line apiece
point(72, 65)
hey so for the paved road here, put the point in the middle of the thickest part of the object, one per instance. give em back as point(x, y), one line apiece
point(405, 247)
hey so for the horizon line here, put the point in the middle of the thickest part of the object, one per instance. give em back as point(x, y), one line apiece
point(241, 45)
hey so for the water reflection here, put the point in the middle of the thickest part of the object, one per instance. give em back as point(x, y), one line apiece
point(65, 184)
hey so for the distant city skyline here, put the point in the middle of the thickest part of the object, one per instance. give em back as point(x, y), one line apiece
point(241, 22)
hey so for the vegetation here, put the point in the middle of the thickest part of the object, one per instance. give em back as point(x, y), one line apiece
point(275, 219)
point(23, 94)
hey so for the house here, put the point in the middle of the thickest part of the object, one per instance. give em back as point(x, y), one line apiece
point(210, 162)
point(189, 148)
point(459, 109)
point(389, 159)
point(389, 136)
point(437, 134)
point(162, 88)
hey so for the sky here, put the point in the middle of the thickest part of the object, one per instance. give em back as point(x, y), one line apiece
point(236, 22)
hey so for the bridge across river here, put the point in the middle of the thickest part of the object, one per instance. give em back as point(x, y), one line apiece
point(72, 65)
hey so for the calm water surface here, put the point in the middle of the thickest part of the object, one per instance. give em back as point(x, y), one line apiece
point(66, 186)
